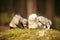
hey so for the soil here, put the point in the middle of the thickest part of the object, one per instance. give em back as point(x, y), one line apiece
point(4, 28)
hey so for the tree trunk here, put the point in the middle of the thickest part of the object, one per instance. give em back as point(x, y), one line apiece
point(9, 7)
point(31, 7)
point(21, 8)
point(50, 11)
point(40, 3)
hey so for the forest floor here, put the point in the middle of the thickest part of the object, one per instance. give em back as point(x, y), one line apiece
point(30, 34)
point(4, 28)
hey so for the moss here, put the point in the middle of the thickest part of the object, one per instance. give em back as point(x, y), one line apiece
point(30, 34)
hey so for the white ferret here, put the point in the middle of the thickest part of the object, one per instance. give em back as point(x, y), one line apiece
point(32, 21)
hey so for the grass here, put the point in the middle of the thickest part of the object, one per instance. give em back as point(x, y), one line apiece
point(5, 18)
point(57, 24)
point(30, 34)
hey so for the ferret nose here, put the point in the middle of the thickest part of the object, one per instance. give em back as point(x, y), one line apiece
point(35, 18)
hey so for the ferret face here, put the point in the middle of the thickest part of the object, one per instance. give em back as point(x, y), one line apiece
point(25, 22)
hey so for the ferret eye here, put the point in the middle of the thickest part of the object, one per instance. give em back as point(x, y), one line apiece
point(39, 21)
